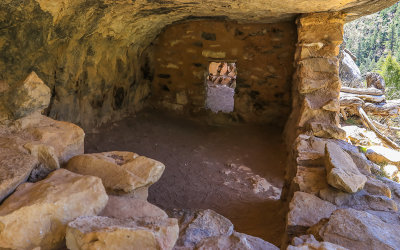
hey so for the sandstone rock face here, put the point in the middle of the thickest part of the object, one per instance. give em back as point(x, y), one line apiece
point(235, 241)
point(103, 72)
point(342, 173)
point(349, 72)
point(380, 154)
point(36, 215)
point(15, 166)
point(111, 233)
point(307, 210)
point(196, 226)
point(128, 208)
point(360, 230)
point(119, 171)
point(28, 97)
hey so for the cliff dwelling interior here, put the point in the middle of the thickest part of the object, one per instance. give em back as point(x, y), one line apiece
point(173, 124)
point(219, 96)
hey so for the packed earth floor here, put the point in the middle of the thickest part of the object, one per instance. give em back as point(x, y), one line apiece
point(236, 170)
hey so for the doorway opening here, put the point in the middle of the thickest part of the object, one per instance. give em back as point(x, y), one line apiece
point(220, 85)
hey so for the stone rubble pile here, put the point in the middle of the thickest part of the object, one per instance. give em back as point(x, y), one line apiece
point(344, 208)
point(338, 197)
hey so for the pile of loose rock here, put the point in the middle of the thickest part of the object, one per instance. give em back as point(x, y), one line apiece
point(53, 196)
point(340, 200)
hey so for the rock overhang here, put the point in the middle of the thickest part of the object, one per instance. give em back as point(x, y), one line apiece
point(241, 10)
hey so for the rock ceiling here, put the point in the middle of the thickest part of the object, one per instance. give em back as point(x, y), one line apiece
point(85, 49)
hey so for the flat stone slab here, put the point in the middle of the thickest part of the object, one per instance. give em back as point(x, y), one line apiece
point(360, 230)
point(119, 171)
point(307, 210)
point(342, 172)
point(36, 214)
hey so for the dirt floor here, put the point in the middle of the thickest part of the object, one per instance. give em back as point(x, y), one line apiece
point(236, 170)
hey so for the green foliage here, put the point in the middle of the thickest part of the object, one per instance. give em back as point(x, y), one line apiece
point(373, 37)
point(390, 70)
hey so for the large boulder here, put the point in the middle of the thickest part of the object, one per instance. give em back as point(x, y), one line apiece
point(342, 173)
point(235, 241)
point(305, 210)
point(29, 96)
point(195, 226)
point(66, 138)
point(15, 166)
point(111, 233)
point(349, 72)
point(119, 171)
point(36, 214)
point(359, 230)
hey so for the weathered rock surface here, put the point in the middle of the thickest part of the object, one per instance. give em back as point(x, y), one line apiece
point(36, 215)
point(30, 96)
point(360, 200)
point(307, 242)
point(119, 171)
point(47, 158)
point(380, 154)
point(311, 180)
point(235, 241)
point(349, 72)
point(195, 226)
point(15, 166)
point(360, 230)
point(307, 210)
point(364, 165)
point(394, 188)
point(377, 187)
point(128, 208)
point(111, 233)
point(98, 78)
point(66, 138)
point(342, 173)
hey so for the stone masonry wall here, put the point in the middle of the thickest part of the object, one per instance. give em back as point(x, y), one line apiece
point(335, 196)
point(264, 58)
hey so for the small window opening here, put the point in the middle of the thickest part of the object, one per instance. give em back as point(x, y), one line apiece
point(220, 84)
